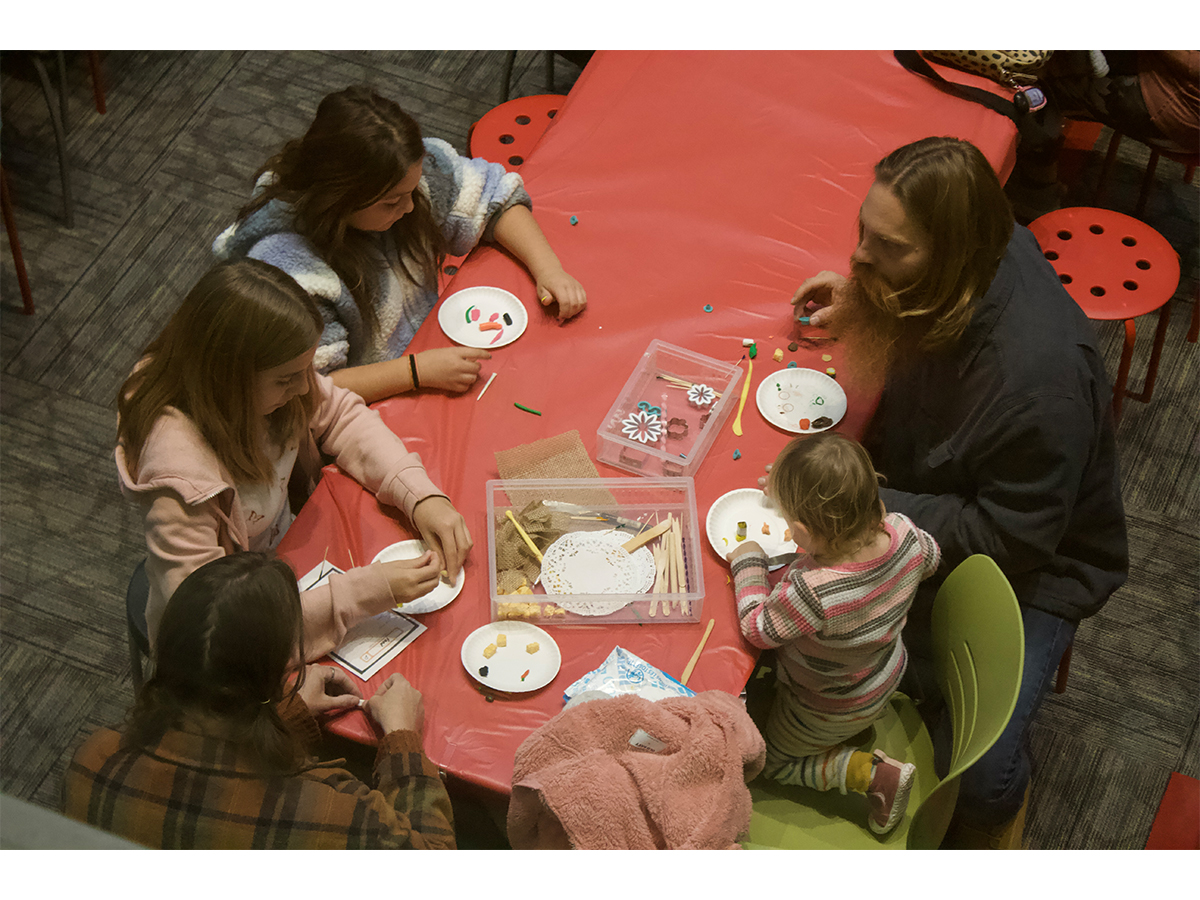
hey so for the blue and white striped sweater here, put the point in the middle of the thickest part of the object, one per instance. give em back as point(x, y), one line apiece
point(466, 195)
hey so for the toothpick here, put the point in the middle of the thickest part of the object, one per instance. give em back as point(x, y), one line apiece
point(348, 551)
point(486, 386)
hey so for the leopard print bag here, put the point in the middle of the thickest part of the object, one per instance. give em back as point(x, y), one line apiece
point(1012, 68)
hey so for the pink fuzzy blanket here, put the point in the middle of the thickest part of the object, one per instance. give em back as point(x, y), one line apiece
point(578, 782)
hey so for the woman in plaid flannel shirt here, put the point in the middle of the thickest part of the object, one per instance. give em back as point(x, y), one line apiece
point(215, 751)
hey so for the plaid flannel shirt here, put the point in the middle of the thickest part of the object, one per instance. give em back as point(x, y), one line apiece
point(198, 792)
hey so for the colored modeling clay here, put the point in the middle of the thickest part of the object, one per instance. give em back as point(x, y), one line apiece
point(490, 326)
point(708, 307)
point(777, 355)
point(574, 220)
point(793, 346)
point(803, 423)
point(737, 454)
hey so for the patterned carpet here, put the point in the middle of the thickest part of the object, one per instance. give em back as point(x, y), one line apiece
point(163, 171)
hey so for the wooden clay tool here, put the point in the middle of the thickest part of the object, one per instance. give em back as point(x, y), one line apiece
point(737, 423)
point(637, 540)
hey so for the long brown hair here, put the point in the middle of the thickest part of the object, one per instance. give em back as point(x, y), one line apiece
point(949, 189)
point(230, 634)
point(359, 146)
point(827, 483)
point(242, 317)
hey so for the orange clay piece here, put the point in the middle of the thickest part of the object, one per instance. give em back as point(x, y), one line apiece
point(490, 326)
point(766, 528)
point(804, 423)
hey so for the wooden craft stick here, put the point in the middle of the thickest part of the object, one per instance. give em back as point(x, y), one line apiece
point(664, 545)
point(646, 536)
point(521, 531)
point(680, 570)
point(687, 672)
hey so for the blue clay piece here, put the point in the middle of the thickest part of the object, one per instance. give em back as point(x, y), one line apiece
point(737, 454)
point(708, 307)
point(792, 365)
point(574, 220)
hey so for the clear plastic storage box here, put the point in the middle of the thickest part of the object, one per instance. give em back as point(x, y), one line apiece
point(669, 412)
point(586, 576)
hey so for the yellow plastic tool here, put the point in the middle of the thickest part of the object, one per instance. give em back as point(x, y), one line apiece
point(737, 423)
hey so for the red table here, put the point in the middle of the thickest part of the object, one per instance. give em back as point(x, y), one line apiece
point(722, 178)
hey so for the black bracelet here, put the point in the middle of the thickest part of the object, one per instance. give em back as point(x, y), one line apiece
point(412, 364)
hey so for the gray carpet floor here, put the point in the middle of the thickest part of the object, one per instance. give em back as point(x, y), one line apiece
point(160, 173)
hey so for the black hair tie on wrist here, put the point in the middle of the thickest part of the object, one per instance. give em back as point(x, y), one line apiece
point(412, 364)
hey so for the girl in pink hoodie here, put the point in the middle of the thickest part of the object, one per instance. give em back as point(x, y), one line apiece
point(224, 417)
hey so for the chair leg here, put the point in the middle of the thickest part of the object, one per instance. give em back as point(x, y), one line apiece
point(14, 243)
point(93, 57)
point(1160, 337)
point(506, 75)
point(549, 71)
point(60, 138)
point(1109, 158)
point(1147, 183)
point(1064, 667)
point(1194, 331)
point(1123, 369)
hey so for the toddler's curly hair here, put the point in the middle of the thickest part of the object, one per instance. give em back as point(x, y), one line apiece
point(827, 483)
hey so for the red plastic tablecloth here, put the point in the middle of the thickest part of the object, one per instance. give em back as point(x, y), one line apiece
point(720, 178)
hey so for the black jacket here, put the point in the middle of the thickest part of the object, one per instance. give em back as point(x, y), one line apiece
point(1005, 444)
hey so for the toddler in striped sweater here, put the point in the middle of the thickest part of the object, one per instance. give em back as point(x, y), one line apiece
point(836, 618)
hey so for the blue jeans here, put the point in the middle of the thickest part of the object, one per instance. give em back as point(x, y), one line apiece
point(992, 790)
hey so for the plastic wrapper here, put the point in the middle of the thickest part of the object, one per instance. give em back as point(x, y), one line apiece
point(626, 673)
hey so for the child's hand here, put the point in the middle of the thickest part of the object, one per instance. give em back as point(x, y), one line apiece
point(450, 368)
point(561, 287)
point(744, 548)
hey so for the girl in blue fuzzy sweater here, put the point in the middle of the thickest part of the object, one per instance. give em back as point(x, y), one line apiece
point(361, 212)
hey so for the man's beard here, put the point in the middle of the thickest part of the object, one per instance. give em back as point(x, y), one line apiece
point(869, 326)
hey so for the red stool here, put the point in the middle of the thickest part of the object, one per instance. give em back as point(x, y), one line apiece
point(1115, 268)
point(508, 133)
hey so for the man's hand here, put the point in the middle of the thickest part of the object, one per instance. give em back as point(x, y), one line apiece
point(818, 295)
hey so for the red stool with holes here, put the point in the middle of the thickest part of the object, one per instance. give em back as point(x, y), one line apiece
point(508, 133)
point(1116, 268)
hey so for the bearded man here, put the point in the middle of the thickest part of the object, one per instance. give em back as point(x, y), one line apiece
point(994, 430)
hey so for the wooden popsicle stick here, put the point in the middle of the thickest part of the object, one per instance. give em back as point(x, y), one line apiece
point(638, 540)
point(687, 672)
point(521, 532)
point(677, 546)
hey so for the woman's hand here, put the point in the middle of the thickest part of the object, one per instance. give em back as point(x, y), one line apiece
point(450, 368)
point(411, 579)
point(327, 689)
point(444, 531)
point(557, 285)
point(397, 706)
point(764, 481)
point(742, 549)
point(818, 295)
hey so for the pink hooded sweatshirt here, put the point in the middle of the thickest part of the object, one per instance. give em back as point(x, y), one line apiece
point(193, 514)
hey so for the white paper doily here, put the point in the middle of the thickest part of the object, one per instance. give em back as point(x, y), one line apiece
point(594, 562)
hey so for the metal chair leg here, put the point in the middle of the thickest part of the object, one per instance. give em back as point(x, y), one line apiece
point(60, 139)
point(14, 243)
point(506, 75)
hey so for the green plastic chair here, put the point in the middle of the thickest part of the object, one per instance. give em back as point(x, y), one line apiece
point(979, 652)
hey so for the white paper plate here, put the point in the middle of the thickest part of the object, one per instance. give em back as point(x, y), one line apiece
point(751, 506)
point(438, 597)
point(594, 562)
point(789, 395)
point(507, 664)
point(461, 314)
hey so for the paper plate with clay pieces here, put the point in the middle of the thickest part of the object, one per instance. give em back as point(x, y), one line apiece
point(483, 317)
point(751, 506)
point(438, 597)
point(802, 401)
point(498, 656)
